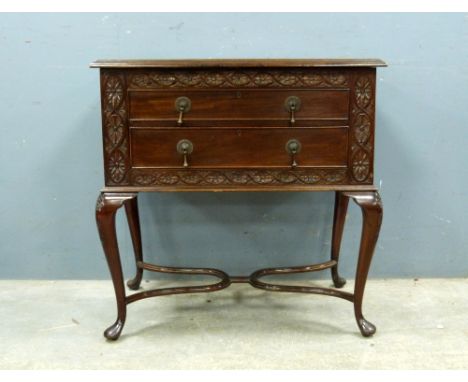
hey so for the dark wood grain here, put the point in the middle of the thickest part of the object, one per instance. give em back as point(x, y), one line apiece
point(278, 187)
point(240, 63)
point(372, 212)
point(133, 218)
point(106, 207)
point(239, 148)
point(339, 218)
point(240, 105)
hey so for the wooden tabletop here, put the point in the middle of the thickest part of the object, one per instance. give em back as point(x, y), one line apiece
point(247, 63)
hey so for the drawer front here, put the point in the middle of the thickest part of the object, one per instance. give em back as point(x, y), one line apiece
point(248, 105)
point(239, 148)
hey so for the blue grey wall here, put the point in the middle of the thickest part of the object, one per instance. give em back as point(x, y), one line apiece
point(50, 145)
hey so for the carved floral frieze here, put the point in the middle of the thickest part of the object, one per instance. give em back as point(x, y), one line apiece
point(238, 78)
point(224, 177)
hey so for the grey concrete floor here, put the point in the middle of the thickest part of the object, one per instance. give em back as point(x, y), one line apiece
point(58, 325)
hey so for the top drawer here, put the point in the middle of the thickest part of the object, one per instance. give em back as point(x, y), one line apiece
point(239, 105)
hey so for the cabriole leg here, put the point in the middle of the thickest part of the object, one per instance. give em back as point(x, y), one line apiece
point(371, 207)
point(131, 210)
point(106, 208)
point(341, 207)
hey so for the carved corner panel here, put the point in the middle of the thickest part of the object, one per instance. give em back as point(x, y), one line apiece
point(115, 128)
point(361, 155)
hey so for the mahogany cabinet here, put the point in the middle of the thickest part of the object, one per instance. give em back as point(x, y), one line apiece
point(238, 125)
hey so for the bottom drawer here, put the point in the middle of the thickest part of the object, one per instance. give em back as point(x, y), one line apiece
point(239, 148)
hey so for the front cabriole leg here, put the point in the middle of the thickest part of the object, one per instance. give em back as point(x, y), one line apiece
point(106, 208)
point(372, 211)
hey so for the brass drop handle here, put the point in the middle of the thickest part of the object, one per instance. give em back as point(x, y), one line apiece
point(292, 104)
point(185, 148)
point(182, 105)
point(293, 147)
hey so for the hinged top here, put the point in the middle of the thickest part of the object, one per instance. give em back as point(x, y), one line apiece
point(246, 63)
